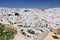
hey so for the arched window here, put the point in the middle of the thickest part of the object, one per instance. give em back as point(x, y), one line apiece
point(16, 14)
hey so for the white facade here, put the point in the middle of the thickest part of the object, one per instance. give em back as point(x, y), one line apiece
point(31, 17)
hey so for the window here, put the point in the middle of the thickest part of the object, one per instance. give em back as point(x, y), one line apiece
point(26, 10)
point(9, 14)
point(16, 14)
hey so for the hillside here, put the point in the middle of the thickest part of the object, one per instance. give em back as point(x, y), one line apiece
point(30, 16)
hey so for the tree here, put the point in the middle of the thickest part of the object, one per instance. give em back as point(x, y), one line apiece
point(9, 35)
point(2, 36)
point(1, 29)
point(1, 26)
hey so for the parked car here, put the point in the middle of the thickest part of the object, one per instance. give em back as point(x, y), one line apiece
point(31, 31)
point(41, 30)
point(28, 36)
point(55, 36)
point(24, 33)
point(51, 29)
point(21, 29)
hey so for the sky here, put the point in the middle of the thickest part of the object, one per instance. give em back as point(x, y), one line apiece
point(30, 3)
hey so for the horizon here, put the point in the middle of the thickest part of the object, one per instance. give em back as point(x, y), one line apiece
point(30, 3)
point(29, 7)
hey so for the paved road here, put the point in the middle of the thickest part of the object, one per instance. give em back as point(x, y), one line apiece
point(43, 35)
